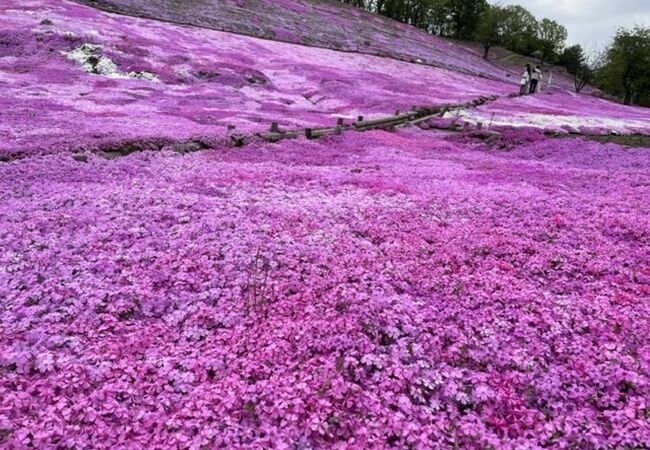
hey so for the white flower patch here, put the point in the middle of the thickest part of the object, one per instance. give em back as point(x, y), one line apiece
point(575, 122)
point(92, 61)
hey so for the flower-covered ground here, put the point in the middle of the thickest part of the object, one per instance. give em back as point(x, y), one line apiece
point(413, 289)
point(155, 80)
point(559, 111)
point(333, 25)
point(405, 290)
point(111, 79)
point(315, 23)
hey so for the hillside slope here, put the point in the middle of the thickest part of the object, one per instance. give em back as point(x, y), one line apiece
point(155, 80)
point(410, 288)
point(335, 25)
point(116, 79)
point(320, 23)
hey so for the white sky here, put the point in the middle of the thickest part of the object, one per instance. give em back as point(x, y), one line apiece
point(591, 23)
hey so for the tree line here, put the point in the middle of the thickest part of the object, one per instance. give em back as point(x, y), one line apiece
point(622, 69)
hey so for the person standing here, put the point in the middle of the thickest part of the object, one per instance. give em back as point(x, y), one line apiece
point(525, 81)
point(535, 80)
point(540, 81)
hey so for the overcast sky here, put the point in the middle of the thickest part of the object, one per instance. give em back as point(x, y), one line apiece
point(591, 23)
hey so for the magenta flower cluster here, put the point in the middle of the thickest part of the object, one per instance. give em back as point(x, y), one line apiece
point(409, 289)
point(364, 291)
point(206, 82)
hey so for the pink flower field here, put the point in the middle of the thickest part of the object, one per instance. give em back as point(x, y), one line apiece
point(364, 291)
point(318, 23)
point(204, 81)
point(387, 289)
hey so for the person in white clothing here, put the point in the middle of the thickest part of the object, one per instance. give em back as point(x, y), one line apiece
point(525, 81)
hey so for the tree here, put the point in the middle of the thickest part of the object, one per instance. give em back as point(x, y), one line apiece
point(520, 30)
point(357, 3)
point(586, 71)
point(465, 16)
point(552, 37)
point(394, 9)
point(439, 18)
point(419, 13)
point(582, 67)
point(490, 30)
point(626, 69)
point(413, 12)
point(573, 58)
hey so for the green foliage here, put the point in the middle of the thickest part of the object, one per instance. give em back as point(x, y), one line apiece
point(465, 16)
point(579, 65)
point(626, 69)
point(551, 39)
point(491, 29)
point(395, 9)
point(583, 75)
point(520, 30)
point(451, 18)
point(439, 18)
point(512, 27)
point(363, 4)
point(573, 58)
point(418, 13)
